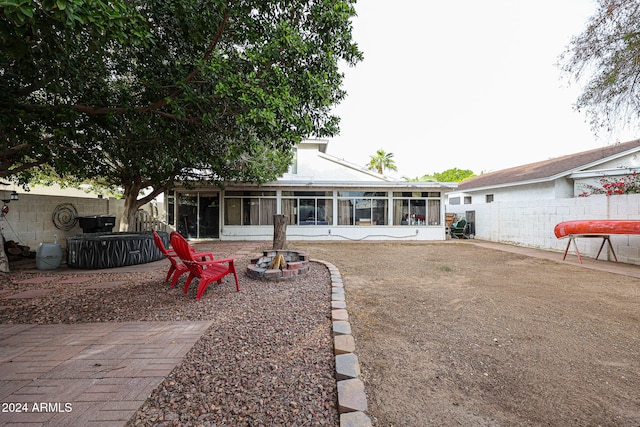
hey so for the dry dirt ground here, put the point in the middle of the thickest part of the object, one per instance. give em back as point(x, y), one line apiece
point(447, 334)
point(453, 334)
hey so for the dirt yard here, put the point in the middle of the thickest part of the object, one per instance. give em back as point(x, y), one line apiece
point(452, 334)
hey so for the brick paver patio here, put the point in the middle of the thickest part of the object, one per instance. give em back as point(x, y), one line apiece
point(94, 374)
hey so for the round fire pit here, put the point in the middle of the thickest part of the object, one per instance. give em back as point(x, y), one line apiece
point(279, 264)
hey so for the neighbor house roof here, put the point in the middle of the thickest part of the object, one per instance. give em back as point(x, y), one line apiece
point(549, 169)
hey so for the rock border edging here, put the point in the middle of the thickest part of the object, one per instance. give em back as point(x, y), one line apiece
point(352, 401)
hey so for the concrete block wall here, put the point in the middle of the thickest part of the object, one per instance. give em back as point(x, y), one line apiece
point(530, 223)
point(30, 219)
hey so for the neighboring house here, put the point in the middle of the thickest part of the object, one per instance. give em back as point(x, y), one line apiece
point(324, 197)
point(522, 205)
point(557, 178)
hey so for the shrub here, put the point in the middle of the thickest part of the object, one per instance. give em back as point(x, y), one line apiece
point(626, 184)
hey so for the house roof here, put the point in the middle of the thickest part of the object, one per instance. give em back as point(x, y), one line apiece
point(548, 169)
point(369, 185)
point(374, 174)
point(320, 144)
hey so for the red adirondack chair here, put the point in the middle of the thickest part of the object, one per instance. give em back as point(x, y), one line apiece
point(177, 268)
point(206, 271)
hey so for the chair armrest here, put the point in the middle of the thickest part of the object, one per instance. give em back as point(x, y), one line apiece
point(216, 261)
point(174, 251)
point(203, 254)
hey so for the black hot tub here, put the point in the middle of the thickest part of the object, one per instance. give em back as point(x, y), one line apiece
point(109, 250)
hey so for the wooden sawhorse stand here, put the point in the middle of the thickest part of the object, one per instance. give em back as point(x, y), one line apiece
point(604, 237)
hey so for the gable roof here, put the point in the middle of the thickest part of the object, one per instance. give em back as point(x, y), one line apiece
point(371, 173)
point(314, 165)
point(549, 169)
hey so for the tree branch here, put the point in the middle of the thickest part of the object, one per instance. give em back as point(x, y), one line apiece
point(13, 150)
point(149, 197)
point(154, 107)
point(196, 71)
point(4, 167)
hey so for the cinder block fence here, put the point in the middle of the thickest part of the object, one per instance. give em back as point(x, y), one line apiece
point(530, 223)
point(35, 218)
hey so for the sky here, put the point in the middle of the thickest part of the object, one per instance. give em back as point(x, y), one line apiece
point(467, 84)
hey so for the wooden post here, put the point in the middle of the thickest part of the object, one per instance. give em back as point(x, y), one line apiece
point(280, 231)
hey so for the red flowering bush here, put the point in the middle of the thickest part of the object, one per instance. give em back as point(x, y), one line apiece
point(610, 186)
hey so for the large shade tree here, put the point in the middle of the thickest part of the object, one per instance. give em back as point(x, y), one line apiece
point(49, 51)
point(605, 58)
point(213, 90)
point(51, 54)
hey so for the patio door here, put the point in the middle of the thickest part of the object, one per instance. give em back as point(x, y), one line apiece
point(199, 215)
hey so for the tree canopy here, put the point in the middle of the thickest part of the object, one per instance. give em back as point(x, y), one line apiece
point(449, 175)
point(168, 91)
point(51, 53)
point(380, 161)
point(454, 175)
point(605, 58)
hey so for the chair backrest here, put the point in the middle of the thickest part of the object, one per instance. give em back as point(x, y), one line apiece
point(461, 223)
point(158, 240)
point(183, 250)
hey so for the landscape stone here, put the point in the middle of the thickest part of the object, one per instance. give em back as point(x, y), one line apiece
point(344, 344)
point(347, 366)
point(341, 327)
point(355, 419)
point(351, 396)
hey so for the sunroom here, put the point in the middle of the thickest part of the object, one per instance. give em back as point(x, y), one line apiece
point(358, 205)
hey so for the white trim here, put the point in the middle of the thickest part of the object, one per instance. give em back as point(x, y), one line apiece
point(337, 185)
point(603, 172)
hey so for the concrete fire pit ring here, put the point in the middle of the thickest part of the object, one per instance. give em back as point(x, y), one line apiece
point(297, 264)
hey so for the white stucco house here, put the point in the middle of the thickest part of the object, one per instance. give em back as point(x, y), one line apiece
point(522, 205)
point(558, 178)
point(324, 197)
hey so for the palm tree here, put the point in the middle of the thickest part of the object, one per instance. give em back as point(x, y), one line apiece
point(381, 161)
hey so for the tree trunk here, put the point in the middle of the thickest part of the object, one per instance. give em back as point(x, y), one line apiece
point(128, 215)
point(4, 261)
point(131, 205)
point(280, 231)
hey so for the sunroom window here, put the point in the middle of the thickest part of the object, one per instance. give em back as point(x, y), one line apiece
point(249, 207)
point(308, 207)
point(362, 208)
point(416, 208)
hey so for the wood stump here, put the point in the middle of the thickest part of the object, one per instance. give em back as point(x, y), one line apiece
point(280, 231)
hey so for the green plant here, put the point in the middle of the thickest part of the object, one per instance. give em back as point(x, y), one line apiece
point(627, 184)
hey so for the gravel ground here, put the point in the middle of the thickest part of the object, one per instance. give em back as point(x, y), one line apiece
point(267, 359)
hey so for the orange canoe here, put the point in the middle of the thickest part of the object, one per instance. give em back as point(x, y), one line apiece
point(596, 226)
